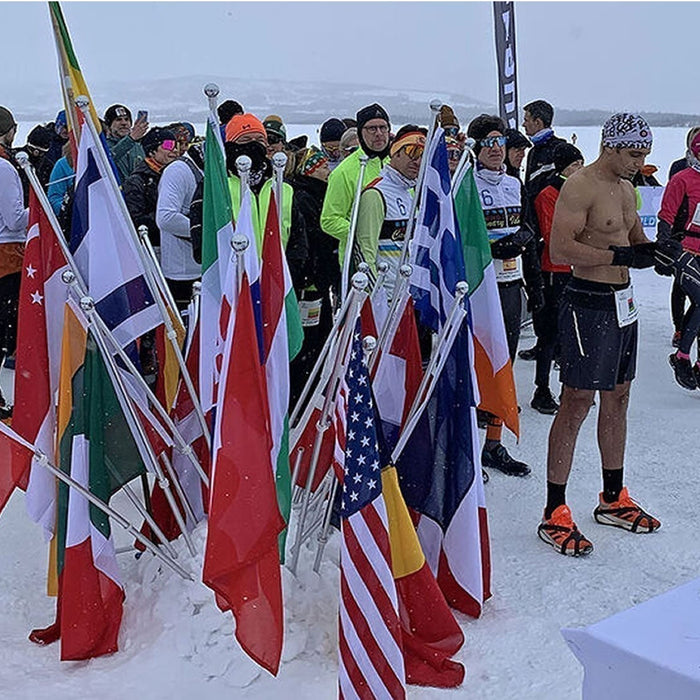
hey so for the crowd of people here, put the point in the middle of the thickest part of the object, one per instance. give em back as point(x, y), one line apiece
point(562, 235)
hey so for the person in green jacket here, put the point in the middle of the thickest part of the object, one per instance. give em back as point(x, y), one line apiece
point(373, 127)
point(123, 139)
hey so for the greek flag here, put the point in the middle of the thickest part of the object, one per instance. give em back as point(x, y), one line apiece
point(436, 252)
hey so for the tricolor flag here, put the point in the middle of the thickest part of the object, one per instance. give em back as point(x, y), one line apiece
point(494, 371)
point(283, 336)
point(371, 662)
point(97, 450)
point(241, 560)
point(105, 252)
point(41, 299)
point(217, 231)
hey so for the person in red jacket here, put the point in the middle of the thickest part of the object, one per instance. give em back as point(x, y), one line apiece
point(680, 214)
point(567, 160)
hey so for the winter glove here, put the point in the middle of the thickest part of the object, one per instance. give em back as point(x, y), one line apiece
point(535, 299)
point(638, 256)
point(512, 245)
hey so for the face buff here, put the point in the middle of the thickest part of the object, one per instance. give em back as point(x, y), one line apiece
point(625, 130)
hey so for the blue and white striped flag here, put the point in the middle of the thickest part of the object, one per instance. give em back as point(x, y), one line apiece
point(436, 251)
point(105, 251)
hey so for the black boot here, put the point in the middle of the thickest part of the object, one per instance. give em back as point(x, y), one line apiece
point(544, 402)
point(498, 458)
point(683, 371)
point(528, 355)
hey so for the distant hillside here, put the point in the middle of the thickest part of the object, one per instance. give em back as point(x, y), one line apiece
point(297, 102)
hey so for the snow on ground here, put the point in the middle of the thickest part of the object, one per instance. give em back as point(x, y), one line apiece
point(175, 644)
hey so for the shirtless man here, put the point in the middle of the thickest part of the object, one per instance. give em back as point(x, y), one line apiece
point(596, 230)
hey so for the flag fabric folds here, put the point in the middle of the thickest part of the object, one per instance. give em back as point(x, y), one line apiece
point(371, 661)
point(494, 371)
point(105, 252)
point(97, 450)
point(41, 300)
point(241, 561)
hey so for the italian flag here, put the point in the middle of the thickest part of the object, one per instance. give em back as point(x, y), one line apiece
point(494, 371)
point(217, 230)
point(283, 336)
point(97, 450)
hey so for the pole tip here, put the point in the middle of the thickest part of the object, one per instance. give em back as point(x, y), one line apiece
point(243, 164)
point(369, 342)
point(279, 160)
point(363, 267)
point(435, 105)
point(67, 277)
point(239, 242)
point(22, 159)
point(382, 267)
point(87, 304)
point(470, 143)
point(82, 101)
point(211, 90)
point(406, 270)
point(196, 287)
point(360, 281)
point(461, 289)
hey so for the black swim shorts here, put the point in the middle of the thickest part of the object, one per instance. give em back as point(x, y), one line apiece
point(595, 352)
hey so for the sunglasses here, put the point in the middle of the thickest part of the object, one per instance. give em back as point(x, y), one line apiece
point(414, 150)
point(273, 139)
point(454, 154)
point(492, 141)
point(168, 145)
point(451, 131)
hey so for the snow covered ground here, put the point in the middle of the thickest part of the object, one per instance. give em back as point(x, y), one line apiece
point(175, 644)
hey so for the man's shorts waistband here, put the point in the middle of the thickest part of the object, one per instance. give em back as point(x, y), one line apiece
point(593, 295)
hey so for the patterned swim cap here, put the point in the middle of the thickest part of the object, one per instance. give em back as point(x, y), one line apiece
point(625, 130)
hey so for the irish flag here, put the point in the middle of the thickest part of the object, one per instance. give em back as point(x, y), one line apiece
point(494, 371)
point(96, 449)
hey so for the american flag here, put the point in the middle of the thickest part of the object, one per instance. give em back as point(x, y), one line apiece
point(371, 661)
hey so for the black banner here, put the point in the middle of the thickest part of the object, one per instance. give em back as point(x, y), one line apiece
point(504, 31)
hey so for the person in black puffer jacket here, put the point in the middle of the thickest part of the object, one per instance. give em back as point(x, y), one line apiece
point(141, 187)
point(322, 269)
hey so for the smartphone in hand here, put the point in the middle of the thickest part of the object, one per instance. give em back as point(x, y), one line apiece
point(142, 115)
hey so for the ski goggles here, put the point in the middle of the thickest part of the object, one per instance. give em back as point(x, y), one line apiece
point(451, 131)
point(413, 144)
point(493, 141)
point(168, 145)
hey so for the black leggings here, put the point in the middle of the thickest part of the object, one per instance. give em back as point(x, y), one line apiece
point(548, 336)
point(678, 297)
point(511, 305)
point(9, 303)
point(691, 330)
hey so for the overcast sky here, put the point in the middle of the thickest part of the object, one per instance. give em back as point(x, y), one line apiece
point(625, 55)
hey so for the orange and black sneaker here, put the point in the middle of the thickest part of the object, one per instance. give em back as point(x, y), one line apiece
point(560, 532)
point(625, 513)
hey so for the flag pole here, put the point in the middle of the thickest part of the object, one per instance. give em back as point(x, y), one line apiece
point(43, 460)
point(435, 107)
point(279, 163)
point(359, 284)
point(448, 333)
point(145, 241)
point(87, 305)
point(350, 242)
point(83, 104)
point(77, 280)
point(170, 475)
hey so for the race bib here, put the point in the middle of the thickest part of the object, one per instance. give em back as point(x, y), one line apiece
point(626, 307)
point(508, 270)
point(310, 312)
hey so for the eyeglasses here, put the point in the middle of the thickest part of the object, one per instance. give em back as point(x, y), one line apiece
point(274, 139)
point(414, 150)
point(378, 129)
point(168, 145)
point(492, 141)
point(451, 131)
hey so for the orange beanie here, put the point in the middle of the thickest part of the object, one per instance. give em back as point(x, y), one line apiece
point(244, 124)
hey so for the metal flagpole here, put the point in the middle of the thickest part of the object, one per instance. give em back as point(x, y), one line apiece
point(350, 241)
point(43, 460)
point(435, 107)
point(279, 163)
point(359, 283)
point(77, 281)
point(87, 304)
point(155, 265)
point(83, 103)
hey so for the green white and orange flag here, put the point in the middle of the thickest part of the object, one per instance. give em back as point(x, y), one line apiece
point(494, 370)
point(72, 82)
point(283, 336)
point(96, 449)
